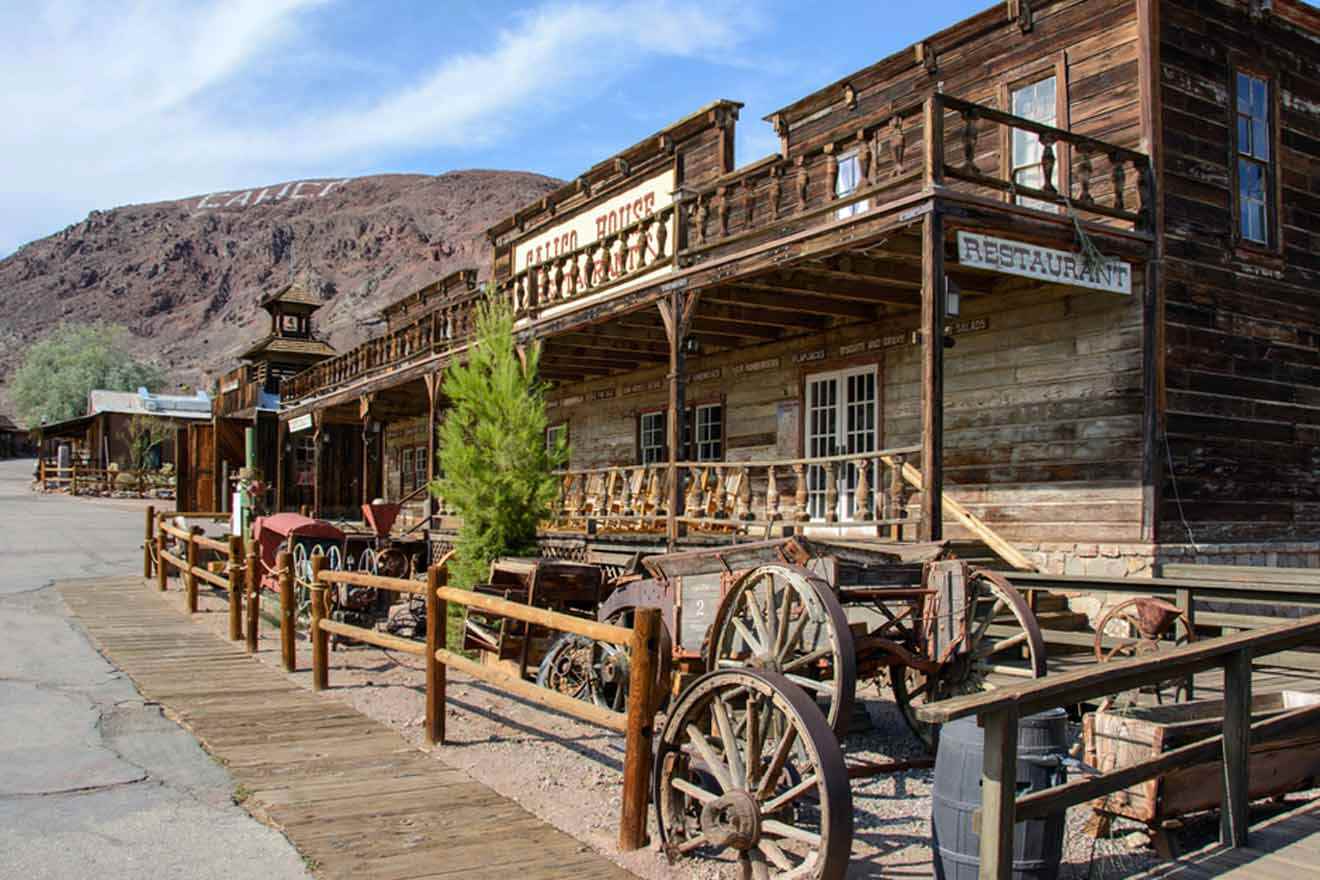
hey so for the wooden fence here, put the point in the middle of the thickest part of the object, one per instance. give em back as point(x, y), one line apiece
point(641, 641)
point(998, 711)
point(239, 579)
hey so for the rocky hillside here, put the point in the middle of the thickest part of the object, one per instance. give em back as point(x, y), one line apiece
point(185, 276)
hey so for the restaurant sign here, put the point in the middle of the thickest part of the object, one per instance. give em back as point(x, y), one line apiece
point(1042, 263)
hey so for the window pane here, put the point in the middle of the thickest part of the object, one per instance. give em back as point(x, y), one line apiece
point(1260, 139)
point(1252, 200)
point(1244, 93)
point(1259, 99)
point(1244, 135)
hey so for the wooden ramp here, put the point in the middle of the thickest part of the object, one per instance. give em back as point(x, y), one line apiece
point(1286, 847)
point(354, 797)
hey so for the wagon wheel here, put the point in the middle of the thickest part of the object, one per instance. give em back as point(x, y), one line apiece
point(747, 766)
point(367, 561)
point(598, 672)
point(1148, 626)
point(982, 654)
point(784, 619)
point(391, 562)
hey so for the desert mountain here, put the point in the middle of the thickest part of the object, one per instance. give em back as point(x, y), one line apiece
point(185, 276)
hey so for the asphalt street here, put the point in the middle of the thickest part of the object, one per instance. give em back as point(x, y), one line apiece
point(95, 781)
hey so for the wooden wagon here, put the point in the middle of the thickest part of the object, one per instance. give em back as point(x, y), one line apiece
point(749, 758)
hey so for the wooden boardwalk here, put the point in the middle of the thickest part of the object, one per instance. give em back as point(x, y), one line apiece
point(1286, 847)
point(354, 797)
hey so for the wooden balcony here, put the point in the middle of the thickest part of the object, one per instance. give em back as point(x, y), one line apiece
point(436, 332)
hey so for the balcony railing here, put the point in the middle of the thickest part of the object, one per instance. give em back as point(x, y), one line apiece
point(861, 490)
point(448, 325)
point(963, 152)
point(640, 247)
point(241, 389)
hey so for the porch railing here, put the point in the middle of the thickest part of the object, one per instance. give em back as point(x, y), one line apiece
point(867, 489)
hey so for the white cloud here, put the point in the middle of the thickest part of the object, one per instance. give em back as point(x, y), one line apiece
point(142, 101)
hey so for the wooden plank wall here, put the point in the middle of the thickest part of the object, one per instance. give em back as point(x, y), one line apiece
point(1042, 416)
point(1243, 329)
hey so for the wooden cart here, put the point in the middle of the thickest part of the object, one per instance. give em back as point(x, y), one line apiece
point(749, 759)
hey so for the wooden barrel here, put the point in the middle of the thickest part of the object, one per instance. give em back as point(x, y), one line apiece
point(1038, 844)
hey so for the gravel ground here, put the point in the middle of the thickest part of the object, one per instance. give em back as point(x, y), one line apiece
point(568, 773)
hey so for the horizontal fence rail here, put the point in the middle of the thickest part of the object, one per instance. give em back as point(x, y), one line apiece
point(238, 580)
point(641, 641)
point(999, 711)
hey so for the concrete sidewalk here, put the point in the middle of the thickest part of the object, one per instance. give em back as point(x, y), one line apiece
point(94, 780)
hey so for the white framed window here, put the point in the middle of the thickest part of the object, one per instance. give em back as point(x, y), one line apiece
point(1038, 102)
point(846, 182)
point(419, 467)
point(1255, 163)
point(651, 436)
point(555, 435)
point(709, 420)
point(406, 470)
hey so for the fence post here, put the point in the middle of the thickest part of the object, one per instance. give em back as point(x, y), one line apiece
point(148, 541)
point(251, 570)
point(437, 620)
point(235, 571)
point(73, 480)
point(642, 650)
point(998, 794)
point(1187, 605)
point(288, 613)
point(1233, 814)
point(162, 567)
point(190, 579)
point(320, 640)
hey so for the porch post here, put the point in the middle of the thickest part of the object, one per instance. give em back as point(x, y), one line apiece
point(932, 375)
point(281, 435)
point(676, 313)
point(318, 419)
point(432, 447)
point(364, 416)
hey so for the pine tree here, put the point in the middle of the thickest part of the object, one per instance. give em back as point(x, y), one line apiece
point(496, 471)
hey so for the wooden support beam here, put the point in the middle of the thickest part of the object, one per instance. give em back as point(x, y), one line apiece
point(433, 383)
point(1233, 814)
point(932, 377)
point(317, 419)
point(235, 572)
point(676, 313)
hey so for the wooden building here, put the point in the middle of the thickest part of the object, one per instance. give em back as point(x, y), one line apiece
point(1053, 266)
point(249, 397)
point(13, 439)
point(102, 437)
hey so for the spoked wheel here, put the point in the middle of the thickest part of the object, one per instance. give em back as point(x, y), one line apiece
point(1141, 627)
point(784, 619)
point(1002, 638)
point(367, 561)
point(747, 767)
point(598, 672)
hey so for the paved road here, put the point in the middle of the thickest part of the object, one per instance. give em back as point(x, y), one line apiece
point(93, 780)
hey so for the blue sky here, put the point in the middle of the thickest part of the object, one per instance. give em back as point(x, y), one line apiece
point(137, 101)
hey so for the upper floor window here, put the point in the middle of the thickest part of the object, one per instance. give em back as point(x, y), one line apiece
point(706, 444)
point(846, 182)
point(1038, 102)
point(1255, 158)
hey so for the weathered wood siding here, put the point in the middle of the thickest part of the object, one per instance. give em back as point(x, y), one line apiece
point(1042, 415)
point(1242, 327)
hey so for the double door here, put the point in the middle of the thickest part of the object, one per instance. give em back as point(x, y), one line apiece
point(841, 418)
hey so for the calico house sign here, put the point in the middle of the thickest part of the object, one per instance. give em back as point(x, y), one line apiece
point(1044, 264)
